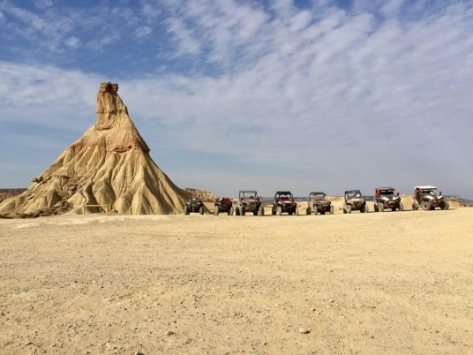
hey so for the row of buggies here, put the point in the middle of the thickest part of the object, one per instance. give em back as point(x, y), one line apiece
point(385, 198)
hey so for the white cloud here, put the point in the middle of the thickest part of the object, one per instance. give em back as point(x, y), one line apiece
point(72, 42)
point(340, 98)
point(143, 31)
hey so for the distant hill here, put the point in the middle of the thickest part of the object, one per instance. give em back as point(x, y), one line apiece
point(7, 193)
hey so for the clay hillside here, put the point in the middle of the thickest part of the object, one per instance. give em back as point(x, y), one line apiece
point(109, 165)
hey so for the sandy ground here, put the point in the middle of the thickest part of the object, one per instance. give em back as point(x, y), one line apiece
point(392, 283)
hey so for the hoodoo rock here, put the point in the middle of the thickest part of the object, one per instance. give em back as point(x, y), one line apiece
point(109, 166)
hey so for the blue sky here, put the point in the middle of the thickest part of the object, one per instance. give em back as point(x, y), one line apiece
point(276, 94)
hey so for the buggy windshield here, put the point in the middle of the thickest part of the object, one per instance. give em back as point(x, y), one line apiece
point(430, 192)
point(353, 194)
point(249, 194)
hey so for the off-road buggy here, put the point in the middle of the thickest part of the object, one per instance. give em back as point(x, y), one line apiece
point(354, 201)
point(224, 205)
point(428, 197)
point(387, 197)
point(317, 203)
point(284, 202)
point(194, 206)
point(248, 201)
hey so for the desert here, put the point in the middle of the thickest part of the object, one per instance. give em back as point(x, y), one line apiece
point(392, 282)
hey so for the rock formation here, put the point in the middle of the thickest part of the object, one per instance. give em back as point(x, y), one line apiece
point(109, 165)
point(204, 196)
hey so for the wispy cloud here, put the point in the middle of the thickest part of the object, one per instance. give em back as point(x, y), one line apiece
point(372, 93)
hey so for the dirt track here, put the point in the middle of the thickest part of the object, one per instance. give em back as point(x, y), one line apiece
point(393, 283)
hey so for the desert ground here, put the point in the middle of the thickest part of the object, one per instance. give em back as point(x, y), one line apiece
point(392, 283)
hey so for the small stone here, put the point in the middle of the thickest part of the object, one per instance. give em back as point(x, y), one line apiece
point(169, 333)
point(304, 330)
point(138, 353)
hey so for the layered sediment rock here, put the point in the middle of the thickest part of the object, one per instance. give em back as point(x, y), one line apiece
point(109, 165)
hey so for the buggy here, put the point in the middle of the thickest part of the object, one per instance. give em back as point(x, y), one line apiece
point(248, 201)
point(318, 203)
point(194, 206)
point(387, 197)
point(354, 201)
point(284, 202)
point(223, 204)
point(428, 197)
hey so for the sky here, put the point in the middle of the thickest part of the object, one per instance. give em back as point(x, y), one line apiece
point(269, 95)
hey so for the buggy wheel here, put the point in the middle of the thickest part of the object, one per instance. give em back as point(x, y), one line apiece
point(332, 210)
point(414, 207)
point(261, 211)
point(344, 209)
point(366, 210)
point(242, 211)
point(322, 212)
point(316, 210)
point(186, 211)
point(376, 209)
point(273, 211)
point(401, 206)
point(296, 211)
point(348, 208)
point(230, 211)
point(307, 211)
point(426, 206)
point(381, 207)
point(237, 211)
point(279, 210)
point(201, 210)
point(447, 205)
point(216, 211)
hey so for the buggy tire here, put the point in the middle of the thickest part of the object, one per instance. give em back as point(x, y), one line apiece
point(376, 209)
point(273, 211)
point(216, 211)
point(344, 209)
point(332, 210)
point(426, 206)
point(237, 211)
point(261, 211)
point(316, 210)
point(230, 211)
point(447, 205)
point(348, 209)
point(279, 210)
point(201, 210)
point(307, 211)
point(415, 207)
point(242, 211)
point(367, 209)
point(186, 211)
point(381, 207)
point(296, 212)
point(401, 206)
